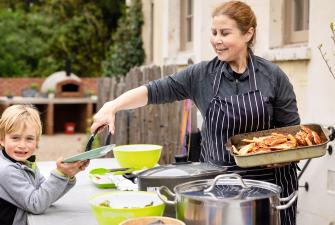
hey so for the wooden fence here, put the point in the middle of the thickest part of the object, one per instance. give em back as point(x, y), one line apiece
point(153, 124)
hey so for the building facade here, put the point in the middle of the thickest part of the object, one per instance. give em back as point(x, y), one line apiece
point(288, 34)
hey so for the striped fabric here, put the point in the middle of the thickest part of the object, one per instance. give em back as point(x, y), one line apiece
point(237, 114)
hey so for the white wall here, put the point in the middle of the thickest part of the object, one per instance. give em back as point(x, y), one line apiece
point(320, 84)
point(319, 100)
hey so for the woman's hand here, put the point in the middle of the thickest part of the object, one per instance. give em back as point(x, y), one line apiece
point(71, 169)
point(105, 116)
point(278, 165)
point(131, 99)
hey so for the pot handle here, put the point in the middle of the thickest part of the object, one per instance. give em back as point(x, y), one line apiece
point(329, 131)
point(233, 175)
point(291, 200)
point(170, 193)
point(332, 133)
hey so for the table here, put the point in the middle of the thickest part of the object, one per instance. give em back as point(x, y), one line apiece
point(73, 208)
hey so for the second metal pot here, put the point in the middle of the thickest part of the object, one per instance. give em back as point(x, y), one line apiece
point(227, 201)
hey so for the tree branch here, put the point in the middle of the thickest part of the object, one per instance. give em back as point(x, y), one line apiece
point(326, 60)
point(333, 32)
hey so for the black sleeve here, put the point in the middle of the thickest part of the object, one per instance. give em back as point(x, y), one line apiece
point(285, 110)
point(174, 87)
point(7, 212)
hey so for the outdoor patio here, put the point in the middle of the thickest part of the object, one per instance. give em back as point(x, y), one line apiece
point(52, 147)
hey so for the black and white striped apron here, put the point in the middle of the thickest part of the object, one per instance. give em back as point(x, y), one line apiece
point(237, 114)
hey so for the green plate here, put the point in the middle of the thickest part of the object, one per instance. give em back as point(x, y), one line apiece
point(92, 154)
point(99, 177)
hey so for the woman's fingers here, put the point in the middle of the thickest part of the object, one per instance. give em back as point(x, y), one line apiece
point(111, 127)
point(96, 124)
point(98, 120)
point(277, 165)
point(105, 116)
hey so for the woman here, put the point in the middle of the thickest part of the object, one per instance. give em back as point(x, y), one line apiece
point(236, 92)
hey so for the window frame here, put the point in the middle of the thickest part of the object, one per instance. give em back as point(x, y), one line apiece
point(293, 36)
point(186, 24)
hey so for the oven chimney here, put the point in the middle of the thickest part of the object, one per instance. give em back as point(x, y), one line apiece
point(68, 65)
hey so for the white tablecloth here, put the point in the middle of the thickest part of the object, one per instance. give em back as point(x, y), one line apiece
point(73, 208)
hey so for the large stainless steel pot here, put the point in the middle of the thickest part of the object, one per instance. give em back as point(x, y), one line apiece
point(228, 200)
point(174, 174)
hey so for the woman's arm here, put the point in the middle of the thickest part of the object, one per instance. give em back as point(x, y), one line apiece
point(285, 110)
point(172, 88)
point(131, 99)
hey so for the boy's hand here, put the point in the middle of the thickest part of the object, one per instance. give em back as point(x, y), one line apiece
point(71, 169)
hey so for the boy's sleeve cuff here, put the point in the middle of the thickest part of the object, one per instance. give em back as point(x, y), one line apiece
point(59, 173)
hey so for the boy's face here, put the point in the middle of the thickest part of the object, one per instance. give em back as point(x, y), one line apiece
point(21, 144)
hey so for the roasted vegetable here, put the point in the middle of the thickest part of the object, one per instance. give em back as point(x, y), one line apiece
point(278, 141)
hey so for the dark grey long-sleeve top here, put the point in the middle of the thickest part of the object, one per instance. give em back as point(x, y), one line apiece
point(196, 83)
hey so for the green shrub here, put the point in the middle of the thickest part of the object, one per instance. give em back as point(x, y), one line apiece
point(36, 39)
point(127, 48)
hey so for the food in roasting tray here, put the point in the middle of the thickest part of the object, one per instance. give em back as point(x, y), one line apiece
point(278, 141)
point(280, 145)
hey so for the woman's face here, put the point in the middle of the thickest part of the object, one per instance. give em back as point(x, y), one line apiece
point(20, 144)
point(227, 40)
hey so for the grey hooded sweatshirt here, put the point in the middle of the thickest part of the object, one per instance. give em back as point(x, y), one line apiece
point(24, 190)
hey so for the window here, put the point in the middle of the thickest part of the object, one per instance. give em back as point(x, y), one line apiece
point(186, 24)
point(297, 21)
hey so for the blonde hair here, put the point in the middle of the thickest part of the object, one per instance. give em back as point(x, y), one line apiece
point(16, 116)
point(243, 15)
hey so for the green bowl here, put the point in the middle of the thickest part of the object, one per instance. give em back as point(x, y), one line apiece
point(124, 205)
point(139, 156)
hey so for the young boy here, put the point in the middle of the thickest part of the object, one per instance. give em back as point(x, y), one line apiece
point(22, 188)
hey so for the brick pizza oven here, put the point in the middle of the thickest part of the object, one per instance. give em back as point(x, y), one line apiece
point(63, 84)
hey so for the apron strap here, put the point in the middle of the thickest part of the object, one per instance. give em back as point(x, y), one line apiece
point(252, 77)
point(217, 79)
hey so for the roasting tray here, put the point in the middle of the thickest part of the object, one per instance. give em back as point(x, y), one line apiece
point(279, 156)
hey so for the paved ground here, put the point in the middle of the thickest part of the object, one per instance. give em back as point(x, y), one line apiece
point(52, 147)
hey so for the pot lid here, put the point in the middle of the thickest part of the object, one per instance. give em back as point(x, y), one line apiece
point(182, 170)
point(228, 187)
